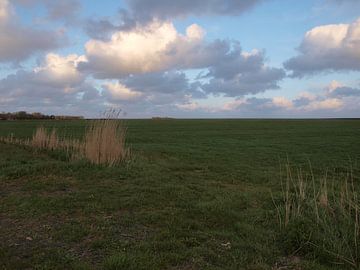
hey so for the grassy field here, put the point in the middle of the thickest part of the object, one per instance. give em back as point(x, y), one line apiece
point(197, 194)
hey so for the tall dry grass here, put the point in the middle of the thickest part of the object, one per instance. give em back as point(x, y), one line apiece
point(44, 140)
point(320, 216)
point(104, 142)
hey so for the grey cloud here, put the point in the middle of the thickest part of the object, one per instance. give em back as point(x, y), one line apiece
point(160, 88)
point(23, 91)
point(246, 83)
point(301, 101)
point(102, 28)
point(167, 82)
point(164, 9)
point(26, 84)
point(230, 71)
point(345, 92)
point(238, 74)
point(67, 10)
point(64, 10)
point(18, 43)
point(144, 11)
point(234, 62)
point(40, 89)
point(310, 64)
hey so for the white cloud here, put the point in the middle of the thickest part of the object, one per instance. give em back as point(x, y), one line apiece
point(333, 85)
point(192, 106)
point(189, 106)
point(233, 105)
point(152, 48)
point(159, 47)
point(118, 91)
point(55, 82)
point(338, 90)
point(282, 102)
point(328, 48)
point(326, 104)
point(60, 70)
point(5, 11)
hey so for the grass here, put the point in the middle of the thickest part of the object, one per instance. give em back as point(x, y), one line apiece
point(320, 217)
point(198, 194)
point(103, 142)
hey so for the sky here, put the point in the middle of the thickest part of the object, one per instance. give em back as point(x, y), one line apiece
point(183, 59)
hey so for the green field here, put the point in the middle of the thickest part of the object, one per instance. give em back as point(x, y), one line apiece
point(195, 195)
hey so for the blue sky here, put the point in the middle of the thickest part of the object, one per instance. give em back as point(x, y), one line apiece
point(218, 58)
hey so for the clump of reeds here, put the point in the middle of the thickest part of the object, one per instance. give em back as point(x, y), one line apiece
point(320, 218)
point(103, 142)
point(44, 140)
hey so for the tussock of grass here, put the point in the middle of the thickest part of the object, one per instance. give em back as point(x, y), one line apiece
point(320, 218)
point(104, 142)
point(43, 139)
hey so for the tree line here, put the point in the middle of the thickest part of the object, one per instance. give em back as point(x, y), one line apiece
point(23, 115)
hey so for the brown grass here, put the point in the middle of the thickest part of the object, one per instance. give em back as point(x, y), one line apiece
point(44, 140)
point(103, 142)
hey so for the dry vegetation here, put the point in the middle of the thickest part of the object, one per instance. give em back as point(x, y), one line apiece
point(321, 216)
point(103, 143)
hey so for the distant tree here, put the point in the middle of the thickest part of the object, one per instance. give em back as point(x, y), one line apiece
point(23, 115)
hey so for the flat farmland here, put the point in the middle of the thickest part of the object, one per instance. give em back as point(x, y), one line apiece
point(195, 194)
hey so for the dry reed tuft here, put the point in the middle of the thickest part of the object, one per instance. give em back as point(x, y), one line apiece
point(44, 140)
point(103, 142)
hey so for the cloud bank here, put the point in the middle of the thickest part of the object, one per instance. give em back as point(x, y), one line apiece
point(158, 47)
point(332, 47)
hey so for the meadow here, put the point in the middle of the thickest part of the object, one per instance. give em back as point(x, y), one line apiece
point(195, 194)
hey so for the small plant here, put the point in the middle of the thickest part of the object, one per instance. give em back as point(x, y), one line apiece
point(319, 219)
